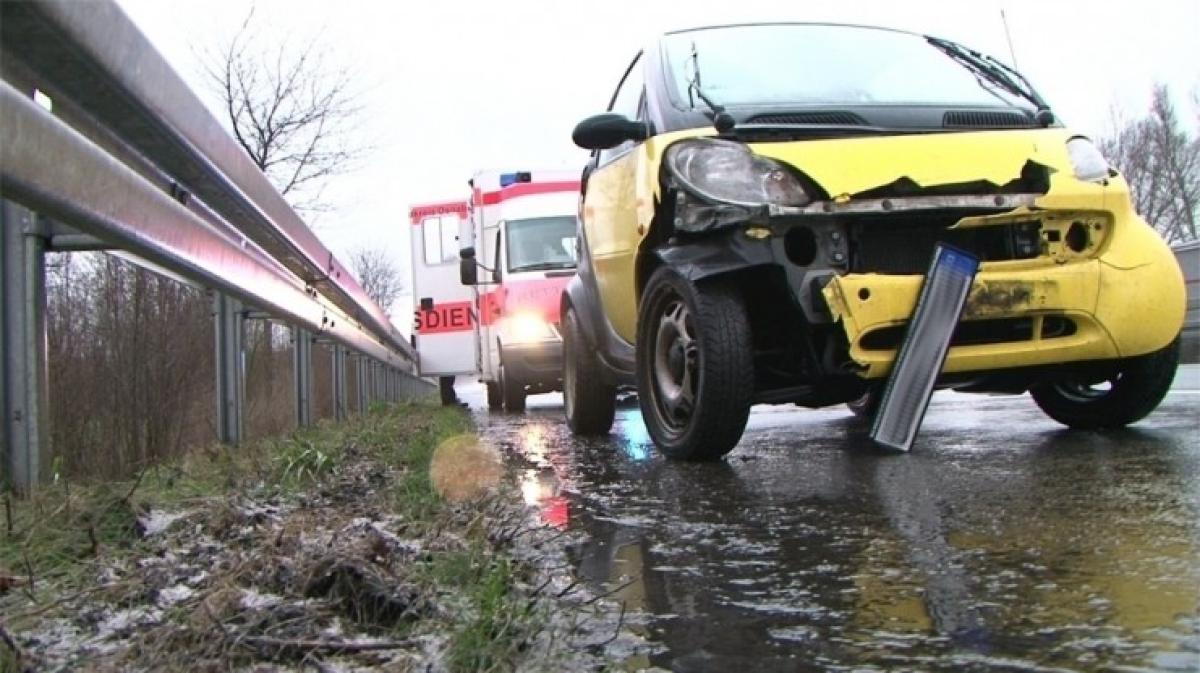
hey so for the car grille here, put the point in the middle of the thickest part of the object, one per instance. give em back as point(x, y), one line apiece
point(831, 117)
point(895, 245)
point(972, 119)
point(975, 332)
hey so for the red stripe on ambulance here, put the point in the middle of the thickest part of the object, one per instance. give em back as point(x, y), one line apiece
point(523, 189)
point(450, 317)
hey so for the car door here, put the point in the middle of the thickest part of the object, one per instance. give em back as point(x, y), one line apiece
point(610, 219)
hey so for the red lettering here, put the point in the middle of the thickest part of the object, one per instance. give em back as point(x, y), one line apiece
point(441, 318)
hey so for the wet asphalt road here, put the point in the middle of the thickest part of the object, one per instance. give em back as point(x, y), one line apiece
point(1002, 542)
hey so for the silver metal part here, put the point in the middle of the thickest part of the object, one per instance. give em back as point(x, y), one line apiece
point(905, 204)
point(924, 349)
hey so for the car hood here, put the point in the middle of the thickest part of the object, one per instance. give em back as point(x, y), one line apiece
point(910, 163)
point(851, 166)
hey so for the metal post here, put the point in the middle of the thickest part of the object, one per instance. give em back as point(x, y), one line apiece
point(302, 375)
point(23, 367)
point(231, 367)
point(339, 381)
point(360, 372)
point(374, 380)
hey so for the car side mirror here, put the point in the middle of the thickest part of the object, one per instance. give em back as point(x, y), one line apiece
point(467, 269)
point(606, 131)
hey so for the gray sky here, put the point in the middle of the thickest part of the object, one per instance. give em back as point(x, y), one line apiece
point(453, 87)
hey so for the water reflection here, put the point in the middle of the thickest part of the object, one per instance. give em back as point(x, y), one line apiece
point(1003, 545)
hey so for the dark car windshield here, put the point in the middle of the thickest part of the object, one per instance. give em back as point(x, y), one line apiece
point(802, 64)
point(541, 243)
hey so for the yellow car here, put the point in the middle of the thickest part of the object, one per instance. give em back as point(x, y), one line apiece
point(763, 201)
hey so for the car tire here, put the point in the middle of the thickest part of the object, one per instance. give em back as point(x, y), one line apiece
point(1134, 390)
point(589, 403)
point(695, 366)
point(495, 397)
point(513, 393)
point(865, 407)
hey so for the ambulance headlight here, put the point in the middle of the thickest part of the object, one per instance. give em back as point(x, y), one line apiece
point(528, 327)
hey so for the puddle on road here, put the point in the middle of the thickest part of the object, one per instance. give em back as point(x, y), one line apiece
point(807, 550)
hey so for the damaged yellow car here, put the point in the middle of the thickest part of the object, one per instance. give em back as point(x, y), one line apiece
point(763, 201)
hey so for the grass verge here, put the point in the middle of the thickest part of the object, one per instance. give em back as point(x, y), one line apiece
point(330, 545)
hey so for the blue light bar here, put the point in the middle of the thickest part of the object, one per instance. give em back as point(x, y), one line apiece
point(507, 179)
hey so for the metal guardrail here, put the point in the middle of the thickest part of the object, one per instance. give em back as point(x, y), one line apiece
point(94, 53)
point(1188, 255)
point(130, 160)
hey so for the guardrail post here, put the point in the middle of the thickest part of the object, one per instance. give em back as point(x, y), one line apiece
point(23, 367)
point(302, 375)
point(339, 381)
point(361, 381)
point(231, 367)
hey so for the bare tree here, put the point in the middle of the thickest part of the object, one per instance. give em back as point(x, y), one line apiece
point(379, 276)
point(1161, 162)
point(291, 110)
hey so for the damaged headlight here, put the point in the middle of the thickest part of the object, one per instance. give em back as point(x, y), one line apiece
point(1089, 163)
point(728, 172)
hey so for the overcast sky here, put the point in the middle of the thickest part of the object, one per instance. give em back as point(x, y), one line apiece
point(452, 87)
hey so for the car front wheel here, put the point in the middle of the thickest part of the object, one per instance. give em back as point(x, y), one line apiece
point(1127, 395)
point(695, 367)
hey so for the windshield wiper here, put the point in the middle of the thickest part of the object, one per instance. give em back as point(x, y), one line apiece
point(542, 266)
point(722, 120)
point(997, 73)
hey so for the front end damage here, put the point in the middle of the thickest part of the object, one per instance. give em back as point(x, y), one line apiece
point(1069, 273)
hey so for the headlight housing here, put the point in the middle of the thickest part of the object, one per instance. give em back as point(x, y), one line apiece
point(1089, 164)
point(724, 171)
point(528, 328)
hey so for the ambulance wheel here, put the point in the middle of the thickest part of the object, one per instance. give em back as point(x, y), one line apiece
point(1127, 394)
point(446, 390)
point(695, 370)
point(589, 403)
point(495, 398)
point(513, 392)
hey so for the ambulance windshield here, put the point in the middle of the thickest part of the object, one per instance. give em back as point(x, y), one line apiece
point(541, 243)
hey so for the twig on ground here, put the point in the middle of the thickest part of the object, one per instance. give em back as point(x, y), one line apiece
point(616, 631)
point(282, 645)
point(570, 587)
point(29, 589)
point(11, 643)
point(536, 592)
point(67, 599)
point(136, 482)
point(606, 594)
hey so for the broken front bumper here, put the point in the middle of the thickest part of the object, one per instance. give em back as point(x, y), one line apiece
point(1019, 314)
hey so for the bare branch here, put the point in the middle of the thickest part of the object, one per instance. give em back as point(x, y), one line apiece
point(379, 276)
point(290, 111)
point(1161, 163)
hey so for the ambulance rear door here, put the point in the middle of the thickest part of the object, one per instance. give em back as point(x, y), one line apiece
point(445, 329)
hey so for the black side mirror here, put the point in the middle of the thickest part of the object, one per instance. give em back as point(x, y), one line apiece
point(467, 272)
point(605, 131)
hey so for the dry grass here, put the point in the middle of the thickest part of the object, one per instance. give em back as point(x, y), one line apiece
point(331, 545)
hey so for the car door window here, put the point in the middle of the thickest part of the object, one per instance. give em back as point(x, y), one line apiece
point(627, 101)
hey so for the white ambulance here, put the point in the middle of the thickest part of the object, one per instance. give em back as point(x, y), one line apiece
point(487, 276)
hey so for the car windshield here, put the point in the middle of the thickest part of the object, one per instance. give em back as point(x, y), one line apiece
point(541, 243)
point(782, 64)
